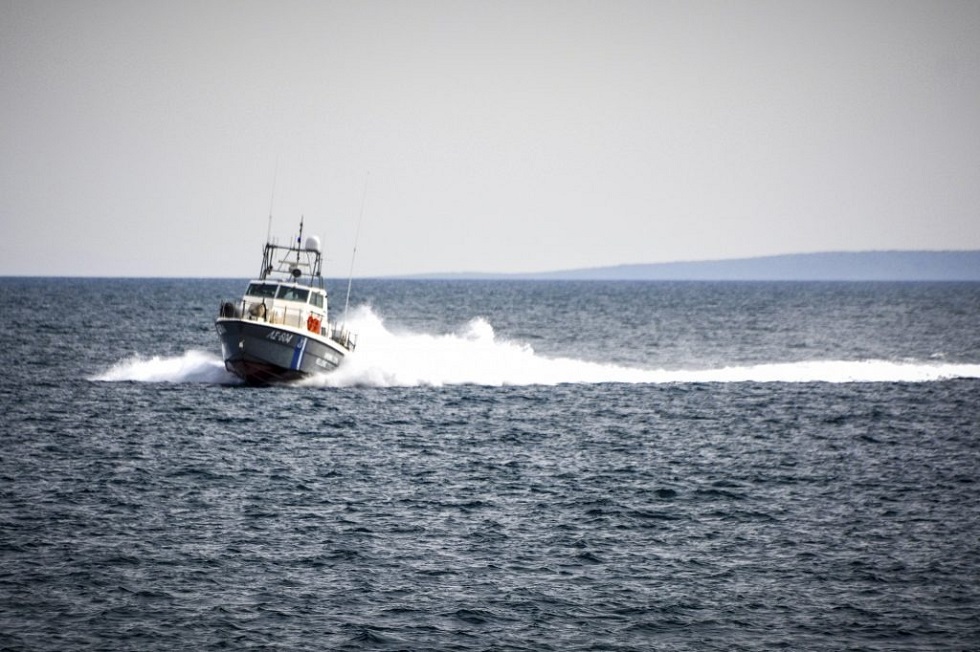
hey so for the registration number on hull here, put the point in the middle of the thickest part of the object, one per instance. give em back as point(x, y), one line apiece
point(280, 336)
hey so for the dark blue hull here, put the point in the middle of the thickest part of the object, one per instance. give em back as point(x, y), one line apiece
point(263, 354)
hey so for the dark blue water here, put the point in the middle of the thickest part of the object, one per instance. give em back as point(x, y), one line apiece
point(539, 466)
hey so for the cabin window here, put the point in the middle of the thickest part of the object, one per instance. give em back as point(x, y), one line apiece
point(316, 299)
point(261, 289)
point(287, 293)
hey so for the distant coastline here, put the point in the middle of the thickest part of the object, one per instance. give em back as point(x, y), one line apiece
point(906, 265)
point(827, 266)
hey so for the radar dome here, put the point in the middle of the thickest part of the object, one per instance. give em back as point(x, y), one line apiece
point(313, 243)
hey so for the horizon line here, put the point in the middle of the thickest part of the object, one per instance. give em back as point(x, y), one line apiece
point(552, 274)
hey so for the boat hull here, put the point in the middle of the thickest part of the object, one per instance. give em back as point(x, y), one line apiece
point(263, 354)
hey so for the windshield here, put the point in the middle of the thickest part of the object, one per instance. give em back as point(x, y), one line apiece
point(287, 293)
point(261, 289)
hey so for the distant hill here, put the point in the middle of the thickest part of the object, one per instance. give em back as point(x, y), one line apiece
point(831, 266)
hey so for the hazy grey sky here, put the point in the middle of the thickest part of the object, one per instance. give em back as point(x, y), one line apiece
point(142, 138)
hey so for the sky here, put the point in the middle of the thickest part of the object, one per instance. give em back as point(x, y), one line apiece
point(154, 138)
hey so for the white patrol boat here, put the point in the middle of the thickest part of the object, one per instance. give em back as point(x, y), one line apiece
point(280, 331)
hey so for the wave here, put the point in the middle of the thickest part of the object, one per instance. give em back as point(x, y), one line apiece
point(190, 367)
point(474, 355)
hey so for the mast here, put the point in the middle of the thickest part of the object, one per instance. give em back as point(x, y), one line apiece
point(289, 261)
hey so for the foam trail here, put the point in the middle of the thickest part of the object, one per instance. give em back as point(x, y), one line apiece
point(474, 355)
point(190, 367)
point(470, 356)
point(831, 371)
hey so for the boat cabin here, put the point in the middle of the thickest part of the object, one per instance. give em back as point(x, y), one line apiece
point(289, 304)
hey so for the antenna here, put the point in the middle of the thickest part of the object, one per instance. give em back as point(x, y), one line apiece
point(357, 235)
point(299, 238)
point(268, 232)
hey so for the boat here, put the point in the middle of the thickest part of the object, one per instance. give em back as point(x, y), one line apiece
point(280, 332)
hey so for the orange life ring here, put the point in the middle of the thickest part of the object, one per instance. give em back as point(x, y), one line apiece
point(313, 324)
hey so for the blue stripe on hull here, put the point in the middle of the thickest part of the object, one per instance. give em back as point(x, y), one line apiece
point(298, 354)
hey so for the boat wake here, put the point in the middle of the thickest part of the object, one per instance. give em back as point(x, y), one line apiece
point(475, 355)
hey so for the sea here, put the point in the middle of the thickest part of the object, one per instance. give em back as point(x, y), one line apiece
point(500, 465)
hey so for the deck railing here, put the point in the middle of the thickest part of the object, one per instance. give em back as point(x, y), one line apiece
point(287, 316)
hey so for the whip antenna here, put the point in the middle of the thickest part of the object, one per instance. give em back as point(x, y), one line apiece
point(272, 200)
point(357, 235)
